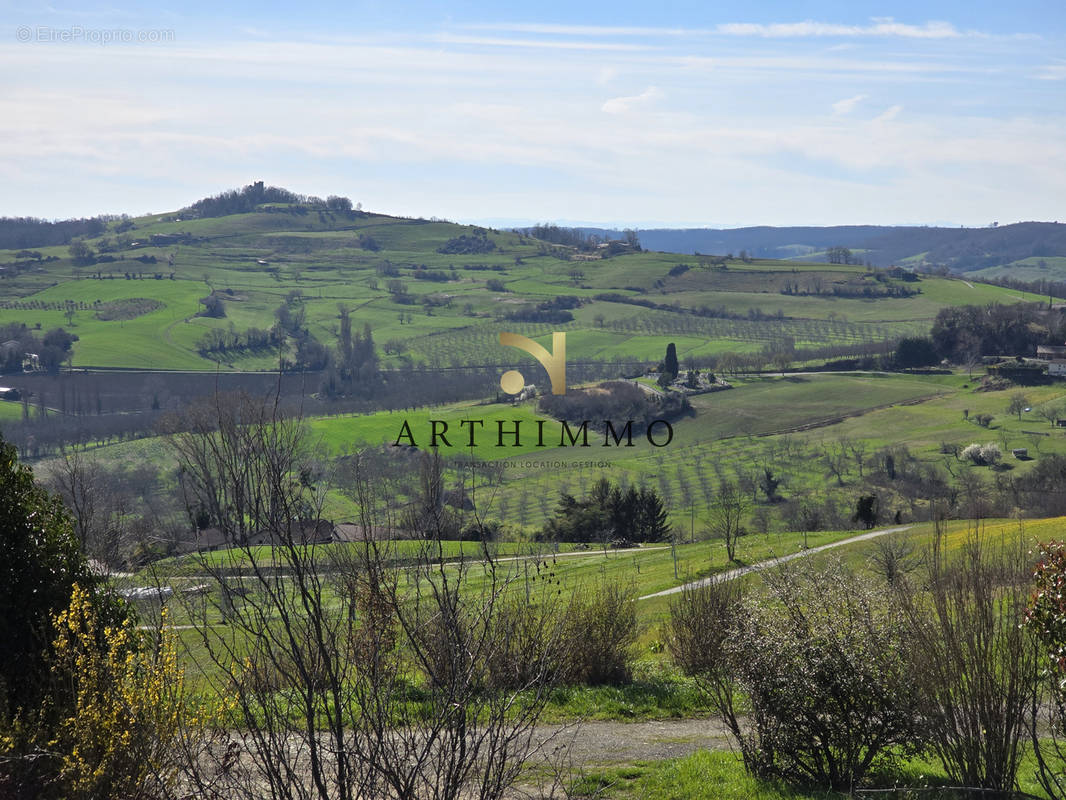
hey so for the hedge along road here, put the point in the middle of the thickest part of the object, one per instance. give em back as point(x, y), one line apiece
point(772, 562)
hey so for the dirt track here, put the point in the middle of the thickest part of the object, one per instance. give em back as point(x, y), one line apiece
point(592, 743)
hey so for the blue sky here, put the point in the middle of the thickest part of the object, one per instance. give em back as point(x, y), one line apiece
point(618, 113)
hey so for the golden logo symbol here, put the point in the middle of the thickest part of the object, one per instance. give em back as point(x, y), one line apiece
point(554, 362)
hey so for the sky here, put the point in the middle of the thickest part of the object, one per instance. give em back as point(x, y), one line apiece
point(661, 114)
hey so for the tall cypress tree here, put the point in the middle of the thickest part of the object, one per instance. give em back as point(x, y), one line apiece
point(670, 364)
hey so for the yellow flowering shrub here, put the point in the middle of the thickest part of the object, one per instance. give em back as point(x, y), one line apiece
point(126, 691)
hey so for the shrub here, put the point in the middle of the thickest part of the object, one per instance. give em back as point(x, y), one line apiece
point(701, 620)
point(1046, 612)
point(39, 565)
point(534, 647)
point(819, 663)
point(476, 243)
point(213, 307)
point(600, 630)
point(87, 702)
point(991, 454)
point(915, 351)
point(127, 705)
point(974, 665)
point(1045, 618)
point(982, 454)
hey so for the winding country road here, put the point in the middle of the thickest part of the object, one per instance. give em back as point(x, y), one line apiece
point(772, 562)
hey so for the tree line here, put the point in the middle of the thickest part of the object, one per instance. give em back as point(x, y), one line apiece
point(609, 514)
point(25, 232)
point(246, 199)
point(575, 237)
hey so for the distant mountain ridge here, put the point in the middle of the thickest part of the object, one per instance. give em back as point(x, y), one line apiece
point(958, 249)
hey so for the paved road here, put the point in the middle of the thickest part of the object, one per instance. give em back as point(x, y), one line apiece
point(772, 562)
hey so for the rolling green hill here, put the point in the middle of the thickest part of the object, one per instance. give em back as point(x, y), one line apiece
point(436, 293)
point(439, 294)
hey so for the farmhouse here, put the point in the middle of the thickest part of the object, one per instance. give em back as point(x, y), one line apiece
point(307, 532)
point(356, 532)
point(206, 539)
point(1055, 356)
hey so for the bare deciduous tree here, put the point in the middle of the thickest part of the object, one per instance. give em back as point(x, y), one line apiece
point(238, 461)
point(351, 677)
point(835, 459)
point(100, 509)
point(728, 509)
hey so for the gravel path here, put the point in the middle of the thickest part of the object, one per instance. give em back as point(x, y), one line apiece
point(596, 742)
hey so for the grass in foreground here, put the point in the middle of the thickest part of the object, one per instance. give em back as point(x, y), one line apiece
point(709, 775)
point(656, 692)
point(720, 775)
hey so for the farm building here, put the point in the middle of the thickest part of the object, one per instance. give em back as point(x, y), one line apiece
point(307, 532)
point(1055, 357)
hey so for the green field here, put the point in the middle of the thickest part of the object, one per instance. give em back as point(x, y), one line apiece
point(784, 422)
point(253, 261)
point(643, 571)
point(10, 411)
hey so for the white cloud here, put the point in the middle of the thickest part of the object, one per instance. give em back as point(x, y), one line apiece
point(881, 26)
point(847, 105)
point(1052, 72)
point(620, 105)
point(581, 30)
point(829, 67)
point(551, 44)
point(372, 115)
point(888, 114)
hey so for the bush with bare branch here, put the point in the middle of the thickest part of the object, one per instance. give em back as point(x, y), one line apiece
point(813, 667)
point(1046, 619)
point(975, 665)
point(350, 678)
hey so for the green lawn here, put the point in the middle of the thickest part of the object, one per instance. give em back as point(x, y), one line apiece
point(10, 411)
point(720, 775)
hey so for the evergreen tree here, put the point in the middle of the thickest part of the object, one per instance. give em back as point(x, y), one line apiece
point(609, 513)
point(670, 364)
point(39, 564)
